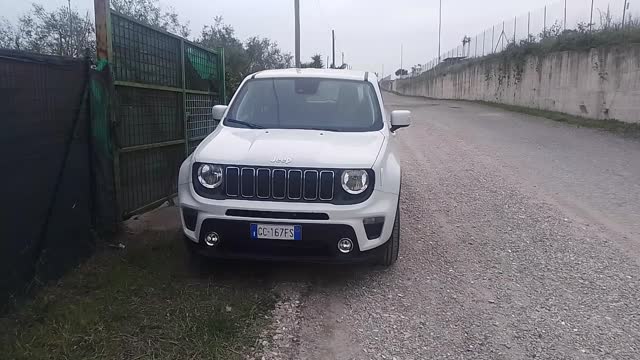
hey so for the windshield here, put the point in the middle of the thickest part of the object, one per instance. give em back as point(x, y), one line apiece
point(306, 103)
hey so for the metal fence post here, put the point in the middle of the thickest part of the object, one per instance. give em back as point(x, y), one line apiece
point(484, 40)
point(624, 13)
point(224, 75)
point(502, 36)
point(185, 115)
point(476, 54)
point(591, 16)
point(544, 26)
point(565, 14)
point(493, 37)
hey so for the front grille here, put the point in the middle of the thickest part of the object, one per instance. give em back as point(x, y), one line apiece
point(265, 183)
point(279, 184)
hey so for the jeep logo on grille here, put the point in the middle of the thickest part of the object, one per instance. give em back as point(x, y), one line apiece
point(281, 160)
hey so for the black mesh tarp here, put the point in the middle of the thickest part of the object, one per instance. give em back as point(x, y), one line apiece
point(46, 181)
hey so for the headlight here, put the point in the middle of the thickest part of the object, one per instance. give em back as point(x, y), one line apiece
point(355, 181)
point(210, 176)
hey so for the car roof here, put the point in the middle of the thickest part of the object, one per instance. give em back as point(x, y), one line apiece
point(315, 73)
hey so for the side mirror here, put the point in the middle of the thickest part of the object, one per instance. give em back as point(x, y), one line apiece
point(218, 112)
point(400, 119)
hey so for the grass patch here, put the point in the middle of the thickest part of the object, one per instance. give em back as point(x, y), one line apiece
point(142, 302)
point(615, 126)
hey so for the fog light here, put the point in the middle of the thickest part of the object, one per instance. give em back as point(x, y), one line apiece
point(212, 239)
point(345, 245)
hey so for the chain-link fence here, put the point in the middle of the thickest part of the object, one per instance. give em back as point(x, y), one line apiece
point(550, 20)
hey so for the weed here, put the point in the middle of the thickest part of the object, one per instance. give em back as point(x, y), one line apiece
point(140, 303)
point(616, 126)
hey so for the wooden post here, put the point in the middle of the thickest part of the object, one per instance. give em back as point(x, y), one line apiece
point(103, 30)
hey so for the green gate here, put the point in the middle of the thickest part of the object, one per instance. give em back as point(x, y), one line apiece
point(165, 87)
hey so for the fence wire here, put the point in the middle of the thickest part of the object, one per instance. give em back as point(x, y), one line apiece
point(200, 122)
point(550, 20)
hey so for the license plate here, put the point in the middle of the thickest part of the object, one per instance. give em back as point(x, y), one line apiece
point(276, 232)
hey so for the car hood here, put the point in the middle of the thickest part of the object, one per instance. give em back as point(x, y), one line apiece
point(291, 148)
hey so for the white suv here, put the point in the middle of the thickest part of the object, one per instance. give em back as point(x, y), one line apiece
point(303, 166)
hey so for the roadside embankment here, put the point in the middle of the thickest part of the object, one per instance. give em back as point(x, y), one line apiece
point(598, 83)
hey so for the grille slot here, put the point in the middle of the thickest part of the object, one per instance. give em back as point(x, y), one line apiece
point(310, 185)
point(326, 185)
point(279, 184)
point(295, 184)
point(248, 182)
point(263, 183)
point(233, 181)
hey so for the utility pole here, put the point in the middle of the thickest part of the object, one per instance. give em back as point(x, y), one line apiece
point(343, 58)
point(296, 5)
point(439, 29)
point(401, 55)
point(327, 63)
point(333, 48)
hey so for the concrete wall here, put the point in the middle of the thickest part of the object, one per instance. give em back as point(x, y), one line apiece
point(598, 83)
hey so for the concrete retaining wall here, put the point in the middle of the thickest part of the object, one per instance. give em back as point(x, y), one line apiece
point(598, 83)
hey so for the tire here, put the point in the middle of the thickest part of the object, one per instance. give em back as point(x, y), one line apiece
point(392, 247)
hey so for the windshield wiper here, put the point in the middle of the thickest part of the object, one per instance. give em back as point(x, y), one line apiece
point(244, 123)
point(318, 129)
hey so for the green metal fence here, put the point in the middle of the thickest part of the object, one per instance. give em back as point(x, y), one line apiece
point(165, 87)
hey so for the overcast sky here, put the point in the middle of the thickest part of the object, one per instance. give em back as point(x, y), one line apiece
point(369, 32)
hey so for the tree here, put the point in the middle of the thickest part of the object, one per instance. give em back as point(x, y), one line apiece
point(316, 62)
point(401, 72)
point(242, 59)
point(262, 54)
point(150, 12)
point(62, 31)
point(7, 35)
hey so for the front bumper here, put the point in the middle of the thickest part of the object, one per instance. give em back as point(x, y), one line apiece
point(320, 237)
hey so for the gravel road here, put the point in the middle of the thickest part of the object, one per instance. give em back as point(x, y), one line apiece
point(520, 240)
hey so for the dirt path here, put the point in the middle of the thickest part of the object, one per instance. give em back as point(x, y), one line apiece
point(521, 239)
